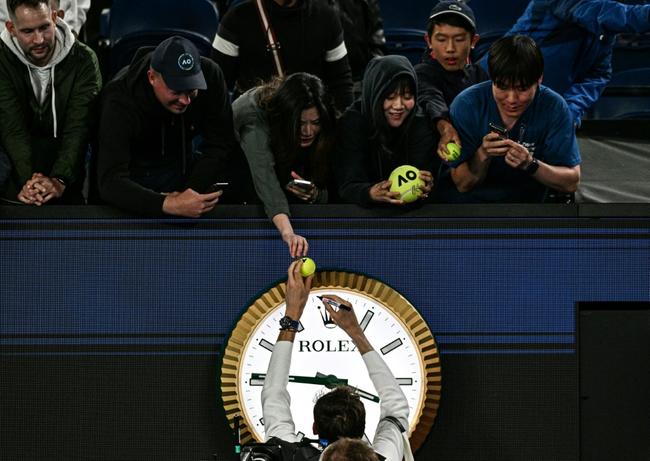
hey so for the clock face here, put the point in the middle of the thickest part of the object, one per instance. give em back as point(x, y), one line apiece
point(322, 349)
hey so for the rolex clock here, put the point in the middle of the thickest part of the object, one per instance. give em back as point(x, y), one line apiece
point(324, 356)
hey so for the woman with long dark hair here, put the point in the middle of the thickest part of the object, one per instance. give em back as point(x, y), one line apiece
point(382, 130)
point(286, 130)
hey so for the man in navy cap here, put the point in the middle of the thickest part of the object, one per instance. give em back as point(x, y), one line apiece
point(151, 113)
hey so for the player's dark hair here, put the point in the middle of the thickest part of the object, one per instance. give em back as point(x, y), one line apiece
point(13, 4)
point(515, 62)
point(450, 19)
point(340, 413)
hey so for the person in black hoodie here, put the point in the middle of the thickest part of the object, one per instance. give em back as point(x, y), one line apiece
point(151, 113)
point(445, 69)
point(382, 130)
point(307, 36)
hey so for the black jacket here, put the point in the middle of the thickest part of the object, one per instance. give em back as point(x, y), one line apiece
point(306, 32)
point(362, 160)
point(363, 29)
point(438, 87)
point(141, 142)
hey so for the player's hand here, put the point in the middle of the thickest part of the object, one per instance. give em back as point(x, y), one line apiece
point(298, 288)
point(297, 244)
point(190, 203)
point(347, 321)
point(380, 192)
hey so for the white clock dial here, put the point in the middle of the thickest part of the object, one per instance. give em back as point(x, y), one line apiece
point(324, 349)
point(392, 325)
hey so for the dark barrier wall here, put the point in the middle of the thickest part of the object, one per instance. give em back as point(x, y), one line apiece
point(111, 328)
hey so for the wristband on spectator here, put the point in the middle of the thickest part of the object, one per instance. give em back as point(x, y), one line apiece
point(60, 180)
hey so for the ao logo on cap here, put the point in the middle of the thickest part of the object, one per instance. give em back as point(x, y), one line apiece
point(186, 61)
point(455, 7)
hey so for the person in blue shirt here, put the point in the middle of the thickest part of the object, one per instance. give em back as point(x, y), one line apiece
point(576, 38)
point(517, 135)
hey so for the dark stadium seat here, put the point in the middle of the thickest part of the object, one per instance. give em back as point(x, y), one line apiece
point(406, 42)
point(131, 24)
point(626, 97)
point(492, 21)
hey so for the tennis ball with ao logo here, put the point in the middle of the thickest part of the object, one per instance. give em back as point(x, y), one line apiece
point(454, 151)
point(406, 180)
point(308, 267)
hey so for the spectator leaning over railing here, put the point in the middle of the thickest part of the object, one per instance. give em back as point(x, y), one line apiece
point(518, 139)
point(48, 85)
point(286, 130)
point(151, 114)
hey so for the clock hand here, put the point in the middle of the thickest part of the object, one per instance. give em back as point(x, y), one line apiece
point(361, 392)
point(328, 381)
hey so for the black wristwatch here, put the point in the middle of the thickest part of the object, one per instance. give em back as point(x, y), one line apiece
point(532, 167)
point(287, 323)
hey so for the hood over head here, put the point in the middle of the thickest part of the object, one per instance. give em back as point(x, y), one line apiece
point(381, 73)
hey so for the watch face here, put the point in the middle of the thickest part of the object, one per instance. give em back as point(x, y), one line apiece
point(324, 350)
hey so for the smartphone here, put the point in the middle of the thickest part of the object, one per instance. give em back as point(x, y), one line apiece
point(502, 132)
point(302, 184)
point(217, 186)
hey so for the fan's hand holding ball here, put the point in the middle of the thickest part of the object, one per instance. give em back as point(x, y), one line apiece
point(308, 267)
point(453, 150)
point(406, 180)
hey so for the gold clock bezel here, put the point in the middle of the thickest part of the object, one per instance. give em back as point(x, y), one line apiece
point(379, 292)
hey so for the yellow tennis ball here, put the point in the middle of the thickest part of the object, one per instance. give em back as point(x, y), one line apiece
point(454, 151)
point(406, 180)
point(308, 267)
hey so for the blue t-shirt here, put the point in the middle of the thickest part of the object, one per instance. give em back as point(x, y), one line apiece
point(545, 129)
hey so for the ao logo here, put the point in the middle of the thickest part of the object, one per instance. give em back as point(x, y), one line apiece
point(186, 61)
point(411, 175)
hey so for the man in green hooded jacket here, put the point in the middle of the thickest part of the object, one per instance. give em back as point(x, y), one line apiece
point(48, 84)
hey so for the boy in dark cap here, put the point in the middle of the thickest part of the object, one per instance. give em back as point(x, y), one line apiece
point(151, 113)
point(446, 70)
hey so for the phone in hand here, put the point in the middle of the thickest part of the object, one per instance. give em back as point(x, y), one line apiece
point(302, 184)
point(217, 186)
point(502, 132)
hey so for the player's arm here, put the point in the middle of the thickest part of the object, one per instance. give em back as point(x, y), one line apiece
point(388, 440)
point(276, 401)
